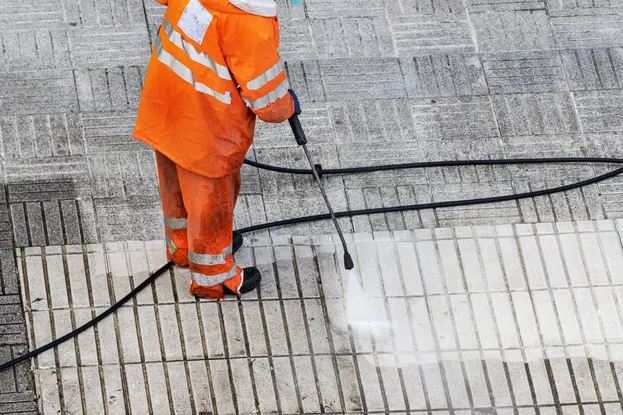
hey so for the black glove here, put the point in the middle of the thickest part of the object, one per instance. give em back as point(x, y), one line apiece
point(297, 104)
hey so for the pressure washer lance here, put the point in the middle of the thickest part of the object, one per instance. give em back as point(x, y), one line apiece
point(301, 140)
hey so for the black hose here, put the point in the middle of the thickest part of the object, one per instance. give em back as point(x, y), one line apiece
point(429, 164)
point(89, 324)
point(433, 205)
point(437, 205)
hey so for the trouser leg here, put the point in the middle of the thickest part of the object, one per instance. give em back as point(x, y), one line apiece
point(175, 216)
point(210, 205)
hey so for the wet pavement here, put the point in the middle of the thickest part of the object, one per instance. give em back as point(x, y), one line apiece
point(511, 308)
point(470, 320)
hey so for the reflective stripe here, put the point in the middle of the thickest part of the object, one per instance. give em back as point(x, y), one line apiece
point(266, 77)
point(171, 245)
point(187, 75)
point(209, 259)
point(175, 223)
point(212, 280)
point(269, 98)
point(241, 281)
point(192, 53)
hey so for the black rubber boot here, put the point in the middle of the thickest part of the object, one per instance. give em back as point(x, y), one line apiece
point(237, 241)
point(251, 279)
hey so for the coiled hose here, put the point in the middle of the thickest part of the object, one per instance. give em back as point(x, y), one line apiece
point(357, 170)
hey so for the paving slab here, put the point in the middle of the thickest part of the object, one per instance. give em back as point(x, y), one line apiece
point(471, 319)
point(381, 82)
point(384, 82)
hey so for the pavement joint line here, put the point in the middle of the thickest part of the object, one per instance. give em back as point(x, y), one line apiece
point(330, 340)
point(301, 301)
point(582, 334)
point(548, 365)
point(600, 320)
point(472, 315)
point(116, 324)
point(52, 321)
point(98, 347)
point(500, 264)
point(204, 347)
point(389, 313)
point(451, 315)
point(227, 357)
point(288, 341)
point(269, 345)
point(431, 322)
point(522, 259)
point(372, 339)
point(182, 342)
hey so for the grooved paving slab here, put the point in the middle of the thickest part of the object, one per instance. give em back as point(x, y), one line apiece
point(37, 91)
point(34, 49)
point(29, 14)
point(513, 31)
point(374, 79)
point(103, 13)
point(592, 69)
point(343, 37)
point(524, 72)
point(94, 48)
point(380, 82)
point(41, 135)
point(483, 319)
point(348, 8)
point(116, 88)
point(444, 75)
point(383, 83)
point(587, 27)
point(435, 33)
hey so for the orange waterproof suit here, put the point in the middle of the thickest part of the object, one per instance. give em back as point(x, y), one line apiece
point(214, 68)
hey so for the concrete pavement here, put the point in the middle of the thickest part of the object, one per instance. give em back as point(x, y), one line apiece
point(381, 81)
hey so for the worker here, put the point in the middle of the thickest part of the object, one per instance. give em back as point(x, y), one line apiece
point(214, 68)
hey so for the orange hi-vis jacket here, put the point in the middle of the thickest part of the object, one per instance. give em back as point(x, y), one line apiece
point(214, 68)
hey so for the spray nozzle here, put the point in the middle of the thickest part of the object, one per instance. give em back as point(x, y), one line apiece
point(348, 261)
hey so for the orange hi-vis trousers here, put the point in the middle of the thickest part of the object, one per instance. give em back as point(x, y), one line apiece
point(198, 220)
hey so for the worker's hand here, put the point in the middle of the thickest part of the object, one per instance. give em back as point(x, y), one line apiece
point(297, 105)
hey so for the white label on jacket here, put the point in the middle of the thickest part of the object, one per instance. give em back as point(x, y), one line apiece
point(195, 21)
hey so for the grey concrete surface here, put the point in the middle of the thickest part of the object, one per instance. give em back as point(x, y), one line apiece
point(523, 319)
point(381, 81)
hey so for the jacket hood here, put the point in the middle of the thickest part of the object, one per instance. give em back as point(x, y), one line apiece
point(267, 8)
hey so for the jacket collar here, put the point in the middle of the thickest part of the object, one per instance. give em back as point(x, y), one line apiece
point(267, 8)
